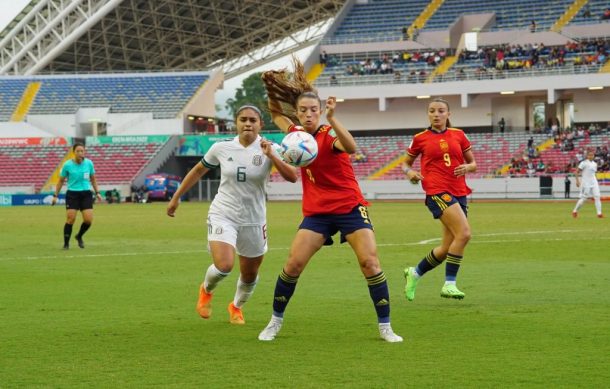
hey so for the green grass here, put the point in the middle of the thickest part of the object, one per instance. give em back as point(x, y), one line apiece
point(121, 312)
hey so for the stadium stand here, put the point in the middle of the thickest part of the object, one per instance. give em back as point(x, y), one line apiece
point(510, 14)
point(163, 94)
point(10, 94)
point(377, 21)
point(121, 163)
point(29, 165)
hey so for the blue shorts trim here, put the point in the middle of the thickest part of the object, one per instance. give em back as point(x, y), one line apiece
point(439, 202)
point(329, 225)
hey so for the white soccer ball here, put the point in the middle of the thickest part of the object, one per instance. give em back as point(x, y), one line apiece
point(299, 148)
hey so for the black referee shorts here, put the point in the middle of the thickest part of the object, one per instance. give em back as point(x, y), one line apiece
point(79, 199)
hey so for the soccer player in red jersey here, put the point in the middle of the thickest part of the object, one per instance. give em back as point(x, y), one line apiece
point(446, 157)
point(332, 200)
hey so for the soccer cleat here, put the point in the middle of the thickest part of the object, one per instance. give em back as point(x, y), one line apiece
point(412, 280)
point(451, 291)
point(601, 216)
point(387, 334)
point(574, 214)
point(66, 247)
point(272, 329)
point(236, 316)
point(204, 304)
point(79, 239)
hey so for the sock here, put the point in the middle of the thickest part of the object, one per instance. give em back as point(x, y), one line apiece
point(284, 289)
point(212, 277)
point(83, 228)
point(427, 264)
point(67, 233)
point(378, 289)
point(452, 266)
point(579, 204)
point(243, 292)
point(598, 205)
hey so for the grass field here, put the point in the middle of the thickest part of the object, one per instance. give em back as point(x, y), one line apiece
point(120, 313)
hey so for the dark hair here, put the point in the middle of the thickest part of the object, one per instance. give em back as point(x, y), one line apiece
point(252, 107)
point(74, 146)
point(443, 101)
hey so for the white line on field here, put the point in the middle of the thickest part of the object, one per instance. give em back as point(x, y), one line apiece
point(422, 242)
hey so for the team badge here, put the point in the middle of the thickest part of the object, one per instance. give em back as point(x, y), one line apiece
point(446, 197)
point(444, 145)
point(218, 230)
point(257, 160)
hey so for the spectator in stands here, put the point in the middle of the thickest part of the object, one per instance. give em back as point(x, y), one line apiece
point(332, 199)
point(606, 14)
point(414, 33)
point(589, 187)
point(323, 57)
point(80, 175)
point(237, 215)
point(567, 183)
point(333, 80)
point(397, 77)
point(446, 158)
point(502, 125)
point(586, 11)
point(533, 26)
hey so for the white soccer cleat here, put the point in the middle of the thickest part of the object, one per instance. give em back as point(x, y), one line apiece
point(387, 334)
point(272, 329)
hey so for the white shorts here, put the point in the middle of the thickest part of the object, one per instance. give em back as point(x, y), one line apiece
point(248, 241)
point(589, 191)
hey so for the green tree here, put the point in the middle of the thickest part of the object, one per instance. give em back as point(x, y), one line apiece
point(252, 92)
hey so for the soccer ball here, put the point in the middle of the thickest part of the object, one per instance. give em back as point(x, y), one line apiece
point(299, 148)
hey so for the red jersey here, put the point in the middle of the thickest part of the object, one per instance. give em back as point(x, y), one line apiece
point(441, 153)
point(329, 182)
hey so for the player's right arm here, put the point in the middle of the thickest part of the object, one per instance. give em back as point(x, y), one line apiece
point(412, 175)
point(193, 176)
point(60, 183)
point(280, 120)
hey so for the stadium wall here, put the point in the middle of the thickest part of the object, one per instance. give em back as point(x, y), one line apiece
point(490, 188)
point(395, 106)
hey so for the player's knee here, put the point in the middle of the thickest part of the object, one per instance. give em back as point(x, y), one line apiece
point(370, 265)
point(294, 267)
point(464, 236)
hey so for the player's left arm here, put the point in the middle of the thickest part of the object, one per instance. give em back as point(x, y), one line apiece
point(95, 188)
point(345, 141)
point(469, 167)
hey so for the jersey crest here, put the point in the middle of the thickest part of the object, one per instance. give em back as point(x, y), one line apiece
point(257, 160)
point(444, 145)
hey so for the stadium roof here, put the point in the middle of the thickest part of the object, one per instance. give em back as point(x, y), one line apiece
point(60, 36)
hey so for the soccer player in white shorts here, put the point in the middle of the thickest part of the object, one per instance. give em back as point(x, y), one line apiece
point(589, 187)
point(237, 220)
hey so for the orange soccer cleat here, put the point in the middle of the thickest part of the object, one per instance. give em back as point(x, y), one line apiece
point(204, 304)
point(235, 315)
point(574, 214)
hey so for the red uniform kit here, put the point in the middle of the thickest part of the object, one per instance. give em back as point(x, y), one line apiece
point(329, 182)
point(441, 153)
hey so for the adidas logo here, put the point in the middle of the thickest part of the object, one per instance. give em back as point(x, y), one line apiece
point(281, 299)
point(382, 302)
point(230, 159)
